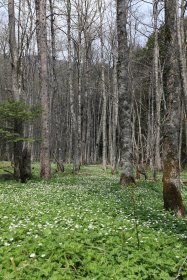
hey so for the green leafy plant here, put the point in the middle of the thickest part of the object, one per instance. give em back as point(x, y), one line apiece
point(12, 111)
point(83, 227)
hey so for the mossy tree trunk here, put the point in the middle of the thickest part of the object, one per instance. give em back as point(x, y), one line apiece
point(171, 181)
point(125, 97)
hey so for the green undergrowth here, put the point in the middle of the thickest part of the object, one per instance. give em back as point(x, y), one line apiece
point(86, 226)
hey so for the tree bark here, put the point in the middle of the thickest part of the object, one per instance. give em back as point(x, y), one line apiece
point(55, 112)
point(74, 119)
point(157, 88)
point(125, 98)
point(182, 49)
point(103, 87)
point(13, 51)
point(114, 114)
point(171, 177)
point(182, 54)
point(41, 30)
point(16, 89)
point(26, 170)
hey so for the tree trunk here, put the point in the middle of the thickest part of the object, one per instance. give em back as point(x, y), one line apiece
point(41, 30)
point(171, 180)
point(182, 54)
point(55, 112)
point(74, 121)
point(125, 98)
point(16, 90)
point(182, 49)
point(13, 51)
point(18, 146)
point(157, 88)
point(115, 114)
point(101, 35)
point(25, 171)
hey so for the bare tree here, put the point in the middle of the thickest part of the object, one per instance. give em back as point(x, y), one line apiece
point(41, 30)
point(101, 35)
point(157, 85)
point(125, 97)
point(74, 119)
point(16, 89)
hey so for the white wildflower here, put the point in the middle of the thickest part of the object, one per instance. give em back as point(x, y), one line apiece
point(33, 255)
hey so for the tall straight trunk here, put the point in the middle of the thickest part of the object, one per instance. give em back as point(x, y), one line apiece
point(88, 133)
point(98, 138)
point(55, 113)
point(87, 108)
point(53, 108)
point(148, 144)
point(182, 54)
point(114, 115)
point(74, 121)
point(77, 158)
point(94, 126)
point(140, 140)
point(13, 51)
point(125, 97)
point(104, 148)
point(152, 129)
point(171, 177)
point(104, 151)
point(79, 122)
point(41, 31)
point(135, 148)
point(182, 48)
point(181, 116)
point(85, 125)
point(16, 89)
point(157, 87)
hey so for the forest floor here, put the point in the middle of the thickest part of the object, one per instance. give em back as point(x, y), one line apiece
point(86, 226)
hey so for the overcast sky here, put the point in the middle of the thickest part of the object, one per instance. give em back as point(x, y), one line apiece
point(142, 15)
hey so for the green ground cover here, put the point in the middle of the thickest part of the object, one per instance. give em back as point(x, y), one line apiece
point(86, 226)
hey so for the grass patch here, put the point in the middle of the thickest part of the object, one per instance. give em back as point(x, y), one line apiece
point(85, 226)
